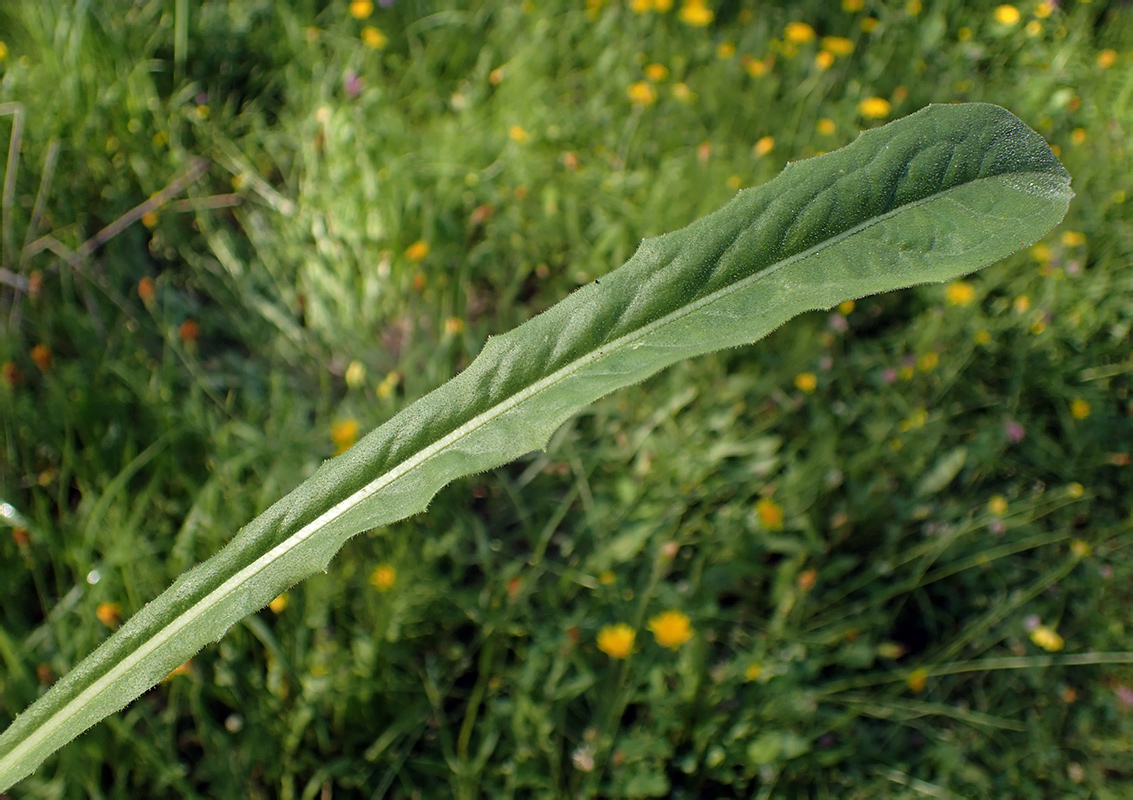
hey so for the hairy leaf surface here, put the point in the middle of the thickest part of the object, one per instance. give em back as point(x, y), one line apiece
point(927, 198)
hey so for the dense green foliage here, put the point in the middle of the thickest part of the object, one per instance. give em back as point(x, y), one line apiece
point(874, 520)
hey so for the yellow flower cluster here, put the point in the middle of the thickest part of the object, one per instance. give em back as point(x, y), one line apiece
point(696, 13)
point(643, 6)
point(670, 629)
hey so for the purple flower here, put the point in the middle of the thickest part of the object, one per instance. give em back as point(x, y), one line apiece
point(352, 84)
point(1014, 430)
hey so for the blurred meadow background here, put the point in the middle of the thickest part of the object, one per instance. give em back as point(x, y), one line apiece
point(885, 552)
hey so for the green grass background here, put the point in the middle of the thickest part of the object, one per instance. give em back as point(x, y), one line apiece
point(876, 645)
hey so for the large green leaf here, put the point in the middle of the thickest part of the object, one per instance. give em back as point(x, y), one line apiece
point(927, 198)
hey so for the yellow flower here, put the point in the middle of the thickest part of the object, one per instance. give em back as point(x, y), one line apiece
point(757, 68)
point(869, 24)
point(1073, 238)
point(1022, 304)
point(1044, 9)
point(671, 629)
point(770, 514)
point(182, 669)
point(725, 50)
point(41, 355)
point(824, 60)
point(734, 183)
point(1080, 548)
point(1006, 15)
point(764, 146)
point(616, 641)
point(3, 51)
point(642, 93)
point(890, 650)
point(641, 6)
point(960, 293)
point(1047, 639)
point(1079, 409)
point(374, 38)
point(915, 420)
point(846, 307)
point(799, 32)
point(109, 614)
point(807, 579)
point(1075, 490)
point(360, 9)
point(383, 577)
point(917, 680)
point(417, 251)
point(983, 338)
point(606, 578)
point(1078, 135)
point(656, 72)
point(838, 45)
point(388, 384)
point(928, 362)
point(874, 108)
point(344, 434)
point(913, 7)
point(517, 134)
point(826, 126)
point(806, 381)
point(753, 671)
point(683, 93)
point(278, 604)
point(1106, 58)
point(696, 13)
point(662, 5)
point(355, 374)
point(997, 505)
